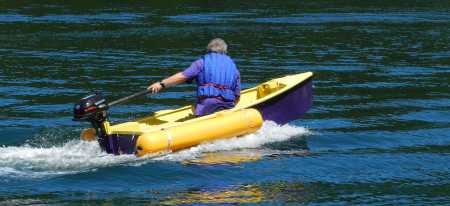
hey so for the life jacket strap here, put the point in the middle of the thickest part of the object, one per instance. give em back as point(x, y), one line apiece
point(218, 86)
point(201, 98)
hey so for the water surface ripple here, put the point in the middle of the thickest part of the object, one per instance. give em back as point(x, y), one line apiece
point(378, 133)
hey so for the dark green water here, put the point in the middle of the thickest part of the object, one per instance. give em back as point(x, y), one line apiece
point(378, 133)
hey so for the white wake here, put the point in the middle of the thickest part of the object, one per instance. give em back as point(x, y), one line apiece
point(269, 133)
point(78, 156)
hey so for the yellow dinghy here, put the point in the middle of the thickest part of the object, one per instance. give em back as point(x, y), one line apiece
point(280, 100)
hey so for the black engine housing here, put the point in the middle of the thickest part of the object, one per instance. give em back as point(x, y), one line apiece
point(90, 107)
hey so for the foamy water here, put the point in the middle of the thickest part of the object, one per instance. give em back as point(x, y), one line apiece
point(270, 132)
point(78, 156)
point(73, 157)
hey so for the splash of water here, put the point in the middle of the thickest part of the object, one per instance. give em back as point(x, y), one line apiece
point(73, 157)
point(269, 133)
point(78, 156)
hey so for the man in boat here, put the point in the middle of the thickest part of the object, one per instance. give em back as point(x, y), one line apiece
point(217, 77)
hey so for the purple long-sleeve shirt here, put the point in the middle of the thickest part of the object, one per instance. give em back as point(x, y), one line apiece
point(210, 105)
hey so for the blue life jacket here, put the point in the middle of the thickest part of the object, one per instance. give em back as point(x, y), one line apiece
point(218, 77)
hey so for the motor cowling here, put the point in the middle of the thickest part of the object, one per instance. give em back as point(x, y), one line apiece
point(89, 107)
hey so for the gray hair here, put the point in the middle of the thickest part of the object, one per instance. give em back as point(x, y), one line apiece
point(217, 45)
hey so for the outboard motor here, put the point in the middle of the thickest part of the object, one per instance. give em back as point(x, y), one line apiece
point(93, 109)
point(89, 108)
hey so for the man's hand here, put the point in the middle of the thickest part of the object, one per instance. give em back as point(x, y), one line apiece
point(168, 82)
point(155, 87)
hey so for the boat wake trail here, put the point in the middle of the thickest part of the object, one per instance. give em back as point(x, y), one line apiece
point(78, 156)
point(269, 133)
point(73, 157)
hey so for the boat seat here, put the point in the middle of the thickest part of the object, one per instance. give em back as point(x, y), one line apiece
point(268, 88)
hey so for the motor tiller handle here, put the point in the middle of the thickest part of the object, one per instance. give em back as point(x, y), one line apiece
point(124, 99)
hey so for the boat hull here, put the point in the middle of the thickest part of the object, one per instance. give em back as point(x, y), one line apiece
point(118, 143)
point(288, 106)
point(224, 124)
